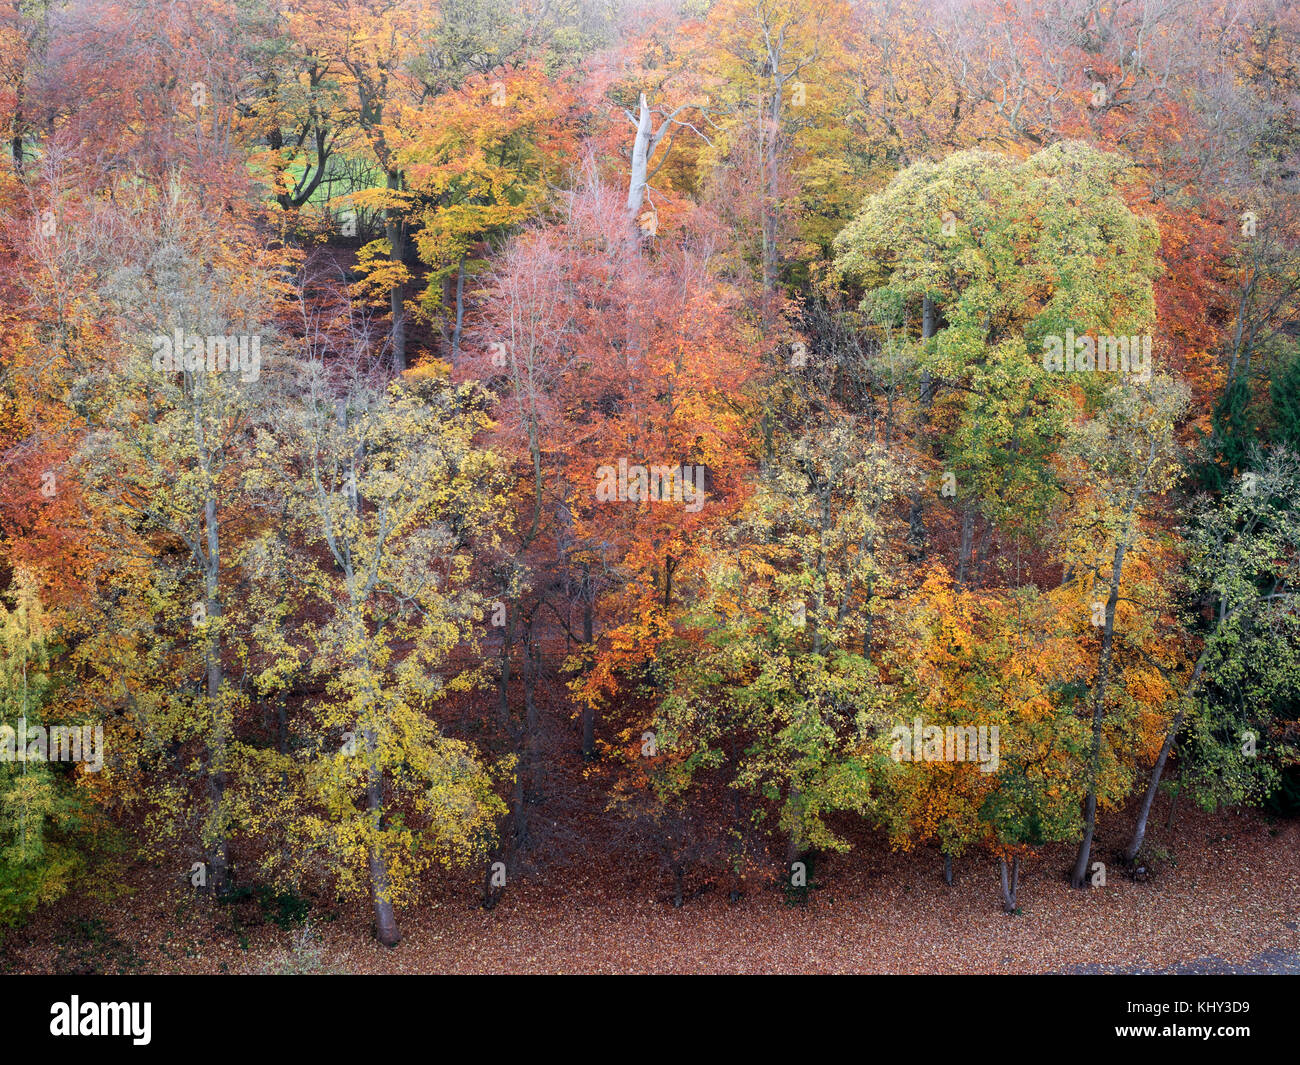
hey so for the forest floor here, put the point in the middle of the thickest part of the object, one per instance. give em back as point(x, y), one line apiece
point(1226, 899)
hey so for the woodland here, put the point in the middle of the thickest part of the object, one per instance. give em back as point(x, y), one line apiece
point(459, 455)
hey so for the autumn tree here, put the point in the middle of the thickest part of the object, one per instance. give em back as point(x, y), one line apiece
point(1242, 567)
point(395, 493)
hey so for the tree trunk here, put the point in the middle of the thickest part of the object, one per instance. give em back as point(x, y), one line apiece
point(1144, 811)
point(490, 895)
point(947, 869)
point(640, 162)
point(1079, 875)
point(1140, 829)
point(1009, 888)
point(393, 232)
point(771, 199)
point(385, 918)
point(929, 319)
point(588, 711)
point(217, 854)
point(1079, 878)
point(964, 551)
point(460, 313)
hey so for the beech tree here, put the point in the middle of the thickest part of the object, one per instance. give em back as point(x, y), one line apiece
point(396, 493)
point(1243, 568)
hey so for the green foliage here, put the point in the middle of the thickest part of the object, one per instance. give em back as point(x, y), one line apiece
point(1285, 394)
point(1245, 568)
point(770, 680)
point(39, 809)
point(1232, 437)
point(1009, 253)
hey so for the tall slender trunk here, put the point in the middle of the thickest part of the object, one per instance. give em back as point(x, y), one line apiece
point(1239, 333)
point(771, 199)
point(1079, 877)
point(1144, 811)
point(218, 860)
point(588, 639)
point(641, 147)
point(964, 550)
point(1153, 782)
point(929, 318)
point(498, 853)
point(385, 918)
point(460, 313)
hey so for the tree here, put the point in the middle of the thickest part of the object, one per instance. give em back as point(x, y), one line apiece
point(772, 676)
point(775, 65)
point(169, 415)
point(1129, 460)
point(395, 492)
point(1244, 550)
point(39, 813)
point(479, 162)
point(994, 259)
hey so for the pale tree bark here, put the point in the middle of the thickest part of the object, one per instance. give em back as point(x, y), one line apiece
point(386, 930)
point(964, 562)
point(644, 145)
point(206, 550)
point(457, 329)
point(772, 190)
point(777, 45)
point(642, 148)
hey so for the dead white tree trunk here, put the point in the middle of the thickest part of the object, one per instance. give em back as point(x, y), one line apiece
point(648, 139)
point(642, 148)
